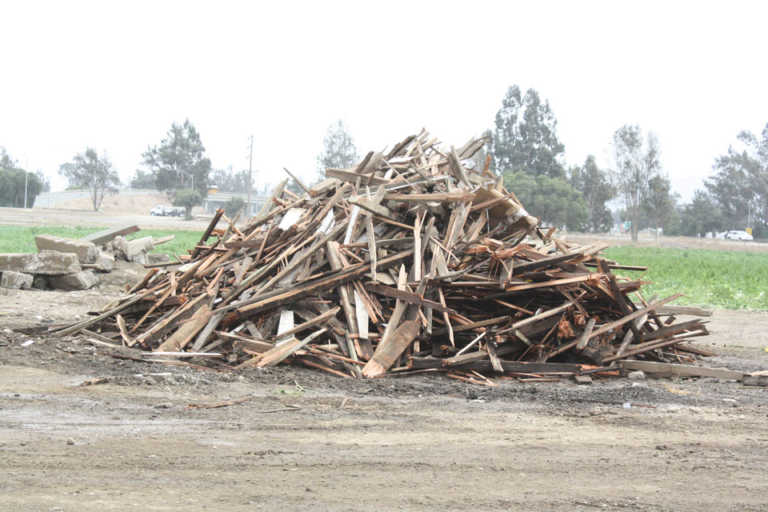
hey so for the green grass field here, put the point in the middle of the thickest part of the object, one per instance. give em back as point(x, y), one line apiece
point(723, 279)
point(22, 238)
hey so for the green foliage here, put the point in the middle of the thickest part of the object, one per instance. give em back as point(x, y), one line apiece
point(637, 162)
point(188, 198)
point(740, 184)
point(13, 180)
point(339, 150)
point(701, 216)
point(724, 279)
point(229, 181)
point(658, 203)
point(143, 180)
point(553, 200)
point(595, 187)
point(179, 161)
point(94, 172)
point(20, 239)
point(525, 136)
point(233, 206)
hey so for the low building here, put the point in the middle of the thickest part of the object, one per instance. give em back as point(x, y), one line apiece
point(219, 199)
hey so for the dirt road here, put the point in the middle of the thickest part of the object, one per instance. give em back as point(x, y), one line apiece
point(62, 217)
point(83, 431)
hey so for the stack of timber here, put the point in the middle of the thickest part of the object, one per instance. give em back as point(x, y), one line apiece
point(414, 260)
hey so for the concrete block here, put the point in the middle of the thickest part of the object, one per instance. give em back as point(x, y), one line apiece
point(105, 262)
point(78, 281)
point(86, 251)
point(136, 250)
point(50, 263)
point(15, 280)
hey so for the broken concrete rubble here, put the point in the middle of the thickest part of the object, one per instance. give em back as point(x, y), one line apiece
point(78, 281)
point(50, 263)
point(86, 251)
point(15, 280)
point(105, 262)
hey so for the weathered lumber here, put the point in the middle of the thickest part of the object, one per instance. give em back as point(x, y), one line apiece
point(681, 370)
point(387, 353)
point(404, 254)
point(107, 235)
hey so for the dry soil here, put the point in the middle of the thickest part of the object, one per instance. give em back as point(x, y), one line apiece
point(81, 430)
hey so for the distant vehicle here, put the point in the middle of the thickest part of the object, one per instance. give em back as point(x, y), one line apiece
point(738, 235)
point(167, 211)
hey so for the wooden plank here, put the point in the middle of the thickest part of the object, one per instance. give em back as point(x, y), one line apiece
point(410, 298)
point(581, 343)
point(207, 233)
point(613, 325)
point(493, 357)
point(387, 352)
point(280, 297)
point(104, 236)
point(681, 370)
point(188, 330)
point(323, 317)
point(280, 353)
point(436, 197)
point(351, 177)
point(683, 310)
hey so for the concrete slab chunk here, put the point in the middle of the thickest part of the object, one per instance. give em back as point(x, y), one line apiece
point(104, 263)
point(86, 251)
point(50, 263)
point(102, 237)
point(78, 281)
point(15, 280)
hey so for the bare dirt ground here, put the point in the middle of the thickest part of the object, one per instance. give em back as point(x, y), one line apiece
point(301, 440)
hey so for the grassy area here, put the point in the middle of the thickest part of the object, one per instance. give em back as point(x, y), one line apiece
point(22, 238)
point(725, 279)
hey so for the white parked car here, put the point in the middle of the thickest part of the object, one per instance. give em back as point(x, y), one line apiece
point(158, 210)
point(738, 235)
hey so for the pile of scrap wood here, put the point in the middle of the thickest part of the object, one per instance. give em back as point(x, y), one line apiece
point(414, 260)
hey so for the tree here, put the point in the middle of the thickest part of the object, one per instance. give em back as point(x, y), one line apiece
point(179, 162)
point(233, 206)
point(15, 182)
point(553, 200)
point(95, 173)
point(143, 180)
point(229, 181)
point(596, 188)
point(657, 202)
point(188, 198)
point(525, 136)
point(637, 162)
point(740, 184)
point(338, 149)
point(701, 216)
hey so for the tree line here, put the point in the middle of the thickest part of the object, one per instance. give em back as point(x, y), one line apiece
point(524, 150)
point(19, 188)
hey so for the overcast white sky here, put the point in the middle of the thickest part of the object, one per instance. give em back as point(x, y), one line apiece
point(115, 75)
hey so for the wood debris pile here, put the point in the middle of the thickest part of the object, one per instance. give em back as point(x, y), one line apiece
point(414, 260)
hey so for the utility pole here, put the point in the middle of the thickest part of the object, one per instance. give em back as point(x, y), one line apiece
point(26, 187)
point(250, 179)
